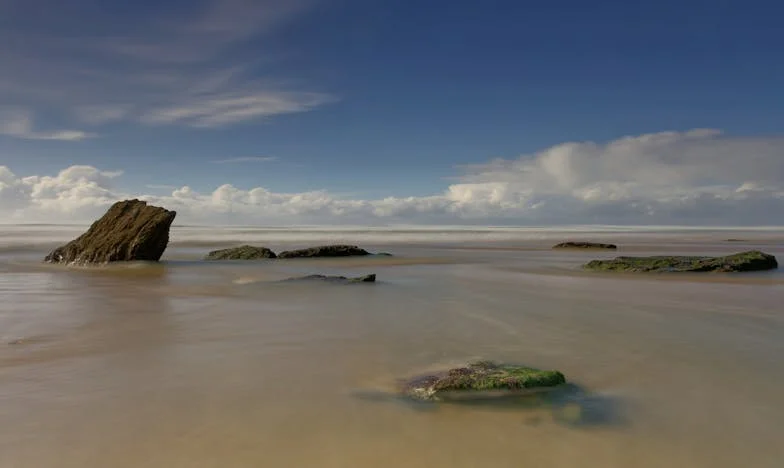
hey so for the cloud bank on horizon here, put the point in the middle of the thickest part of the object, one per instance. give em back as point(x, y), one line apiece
point(688, 178)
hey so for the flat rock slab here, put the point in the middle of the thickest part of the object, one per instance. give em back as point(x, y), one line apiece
point(325, 251)
point(585, 245)
point(244, 252)
point(753, 260)
point(336, 279)
point(481, 379)
point(131, 230)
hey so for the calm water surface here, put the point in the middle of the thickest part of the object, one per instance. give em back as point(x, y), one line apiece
point(189, 364)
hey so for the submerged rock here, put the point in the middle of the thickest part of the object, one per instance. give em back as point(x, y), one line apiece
point(584, 245)
point(481, 379)
point(336, 279)
point(325, 251)
point(244, 252)
point(131, 230)
point(753, 260)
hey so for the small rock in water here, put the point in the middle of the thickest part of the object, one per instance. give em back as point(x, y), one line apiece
point(325, 251)
point(371, 278)
point(481, 379)
point(753, 260)
point(584, 245)
point(244, 252)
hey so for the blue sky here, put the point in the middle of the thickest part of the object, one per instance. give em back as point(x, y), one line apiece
point(370, 99)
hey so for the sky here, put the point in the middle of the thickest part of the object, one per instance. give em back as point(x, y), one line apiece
point(380, 112)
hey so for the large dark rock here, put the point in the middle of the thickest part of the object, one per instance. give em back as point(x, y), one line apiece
point(130, 230)
point(371, 278)
point(244, 252)
point(584, 245)
point(325, 251)
point(753, 260)
point(481, 379)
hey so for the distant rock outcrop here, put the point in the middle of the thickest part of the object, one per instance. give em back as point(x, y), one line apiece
point(753, 260)
point(244, 252)
point(584, 245)
point(130, 230)
point(371, 278)
point(325, 251)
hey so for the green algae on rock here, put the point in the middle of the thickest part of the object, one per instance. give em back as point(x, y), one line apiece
point(753, 260)
point(244, 252)
point(480, 379)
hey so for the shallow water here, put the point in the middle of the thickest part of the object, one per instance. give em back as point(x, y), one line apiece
point(192, 364)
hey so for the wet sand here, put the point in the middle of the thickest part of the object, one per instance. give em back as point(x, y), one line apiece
point(190, 364)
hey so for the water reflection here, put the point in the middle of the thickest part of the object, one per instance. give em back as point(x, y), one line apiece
point(569, 405)
point(62, 314)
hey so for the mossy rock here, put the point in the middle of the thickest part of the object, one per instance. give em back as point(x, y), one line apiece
point(245, 252)
point(585, 245)
point(481, 379)
point(752, 260)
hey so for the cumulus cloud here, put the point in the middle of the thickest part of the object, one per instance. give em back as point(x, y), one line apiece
point(196, 64)
point(694, 177)
point(71, 194)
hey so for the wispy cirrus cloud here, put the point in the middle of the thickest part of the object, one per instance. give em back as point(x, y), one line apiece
point(101, 114)
point(228, 109)
point(201, 64)
point(18, 123)
point(247, 159)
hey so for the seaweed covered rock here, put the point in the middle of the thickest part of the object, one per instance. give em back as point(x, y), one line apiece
point(131, 230)
point(325, 251)
point(585, 245)
point(244, 252)
point(481, 379)
point(371, 278)
point(753, 260)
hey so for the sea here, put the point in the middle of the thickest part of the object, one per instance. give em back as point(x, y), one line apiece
point(188, 363)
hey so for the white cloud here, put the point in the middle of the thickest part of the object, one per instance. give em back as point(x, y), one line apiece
point(71, 194)
point(227, 109)
point(247, 159)
point(193, 66)
point(696, 177)
point(18, 123)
